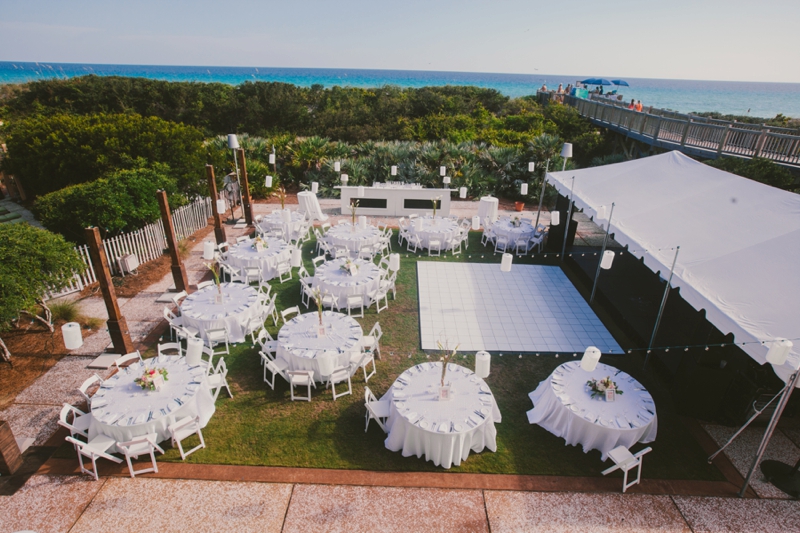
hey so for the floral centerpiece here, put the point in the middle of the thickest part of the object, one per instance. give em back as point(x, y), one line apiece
point(281, 195)
point(152, 379)
point(447, 356)
point(259, 244)
point(213, 267)
point(349, 266)
point(435, 202)
point(353, 207)
point(516, 222)
point(598, 387)
point(318, 296)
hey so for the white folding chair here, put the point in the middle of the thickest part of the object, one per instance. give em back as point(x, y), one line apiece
point(301, 378)
point(521, 244)
point(318, 261)
point(284, 269)
point(413, 240)
point(376, 296)
point(390, 284)
point(76, 421)
point(288, 312)
point(488, 236)
point(183, 429)
point(251, 274)
point(376, 410)
point(218, 336)
point(306, 293)
point(89, 382)
point(168, 349)
point(355, 302)
point(339, 375)
point(434, 244)
point(93, 450)
point(624, 460)
point(143, 445)
point(276, 367)
point(254, 325)
point(176, 323)
point(127, 358)
point(222, 250)
point(266, 343)
point(454, 243)
point(372, 341)
point(234, 276)
point(204, 284)
point(242, 239)
point(362, 360)
point(219, 379)
point(177, 297)
point(501, 244)
point(271, 311)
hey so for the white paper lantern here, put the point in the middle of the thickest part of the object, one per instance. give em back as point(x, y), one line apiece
point(555, 218)
point(779, 351)
point(462, 192)
point(476, 223)
point(446, 180)
point(221, 206)
point(208, 250)
point(361, 191)
point(531, 166)
point(314, 187)
point(394, 170)
point(394, 262)
point(523, 189)
point(608, 260)
point(505, 263)
point(344, 179)
point(566, 150)
point(442, 171)
point(297, 258)
point(272, 159)
point(590, 359)
point(482, 364)
point(71, 331)
point(194, 351)
point(233, 142)
point(362, 222)
point(268, 182)
point(337, 166)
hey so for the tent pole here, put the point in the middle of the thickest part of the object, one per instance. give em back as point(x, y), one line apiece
point(773, 423)
point(605, 242)
point(569, 218)
point(661, 309)
point(541, 200)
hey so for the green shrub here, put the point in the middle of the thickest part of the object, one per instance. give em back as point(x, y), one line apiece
point(758, 169)
point(65, 311)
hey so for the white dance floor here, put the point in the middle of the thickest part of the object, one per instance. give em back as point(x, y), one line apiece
point(530, 309)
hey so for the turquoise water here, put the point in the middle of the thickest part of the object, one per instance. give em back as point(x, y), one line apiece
point(762, 99)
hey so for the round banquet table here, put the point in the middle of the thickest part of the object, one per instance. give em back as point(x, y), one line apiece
point(564, 407)
point(504, 228)
point(331, 279)
point(239, 305)
point(275, 221)
point(122, 410)
point(300, 347)
point(343, 236)
point(244, 255)
point(442, 431)
point(430, 228)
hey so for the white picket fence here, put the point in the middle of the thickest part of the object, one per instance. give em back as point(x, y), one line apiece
point(147, 243)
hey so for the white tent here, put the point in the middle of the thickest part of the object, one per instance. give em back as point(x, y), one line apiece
point(739, 240)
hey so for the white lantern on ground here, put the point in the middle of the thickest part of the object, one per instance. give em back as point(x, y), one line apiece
point(361, 191)
point(221, 207)
point(442, 171)
point(337, 166)
point(462, 192)
point(233, 142)
point(208, 250)
point(394, 262)
point(272, 158)
point(608, 259)
point(268, 181)
point(590, 359)
point(555, 218)
point(523, 189)
point(394, 170)
point(345, 179)
point(531, 166)
point(71, 331)
point(482, 364)
point(314, 187)
point(297, 258)
point(505, 263)
point(779, 351)
point(446, 180)
point(194, 351)
point(476, 223)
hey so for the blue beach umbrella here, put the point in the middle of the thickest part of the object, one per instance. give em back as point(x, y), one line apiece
point(620, 82)
point(596, 81)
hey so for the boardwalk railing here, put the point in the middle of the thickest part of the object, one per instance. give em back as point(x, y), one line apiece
point(700, 136)
point(147, 243)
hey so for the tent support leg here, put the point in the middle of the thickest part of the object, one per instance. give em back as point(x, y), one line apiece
point(569, 218)
point(541, 196)
point(605, 242)
point(661, 309)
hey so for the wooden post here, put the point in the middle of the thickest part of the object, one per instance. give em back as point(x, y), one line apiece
point(724, 140)
point(246, 206)
point(685, 132)
point(178, 270)
point(10, 458)
point(117, 326)
point(219, 231)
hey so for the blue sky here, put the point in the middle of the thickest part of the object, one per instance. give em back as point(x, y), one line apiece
point(719, 40)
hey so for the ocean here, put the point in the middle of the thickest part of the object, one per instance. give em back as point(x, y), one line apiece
point(737, 98)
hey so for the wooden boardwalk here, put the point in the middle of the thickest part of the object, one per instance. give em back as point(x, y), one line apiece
point(693, 135)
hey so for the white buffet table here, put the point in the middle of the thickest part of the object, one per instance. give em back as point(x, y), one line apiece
point(442, 431)
point(345, 236)
point(244, 255)
point(395, 200)
point(331, 279)
point(564, 407)
point(239, 304)
point(122, 410)
point(300, 347)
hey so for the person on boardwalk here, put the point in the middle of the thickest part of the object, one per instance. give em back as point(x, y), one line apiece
point(632, 105)
point(639, 105)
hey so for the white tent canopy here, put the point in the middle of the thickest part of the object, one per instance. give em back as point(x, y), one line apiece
point(739, 240)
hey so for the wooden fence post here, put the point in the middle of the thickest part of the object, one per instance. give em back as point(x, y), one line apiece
point(248, 208)
point(178, 270)
point(219, 231)
point(723, 140)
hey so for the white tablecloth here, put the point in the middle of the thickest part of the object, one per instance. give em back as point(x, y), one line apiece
point(122, 410)
point(331, 279)
point(299, 345)
point(487, 208)
point(200, 310)
point(275, 221)
point(442, 431)
point(245, 255)
point(343, 236)
point(564, 407)
point(504, 228)
point(309, 204)
point(440, 228)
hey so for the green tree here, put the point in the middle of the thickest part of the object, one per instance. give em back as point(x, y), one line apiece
point(758, 169)
point(34, 261)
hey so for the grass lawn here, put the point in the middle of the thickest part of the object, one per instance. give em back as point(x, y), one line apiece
point(259, 426)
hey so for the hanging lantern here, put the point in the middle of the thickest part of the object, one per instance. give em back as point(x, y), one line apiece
point(314, 187)
point(531, 166)
point(233, 142)
point(446, 180)
point(505, 263)
point(555, 218)
point(268, 182)
point(608, 259)
point(442, 171)
point(523, 189)
point(337, 166)
point(590, 359)
point(344, 179)
point(272, 158)
point(394, 170)
point(566, 150)
point(462, 192)
point(779, 351)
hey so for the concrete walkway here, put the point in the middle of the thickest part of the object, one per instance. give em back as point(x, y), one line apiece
point(12, 213)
